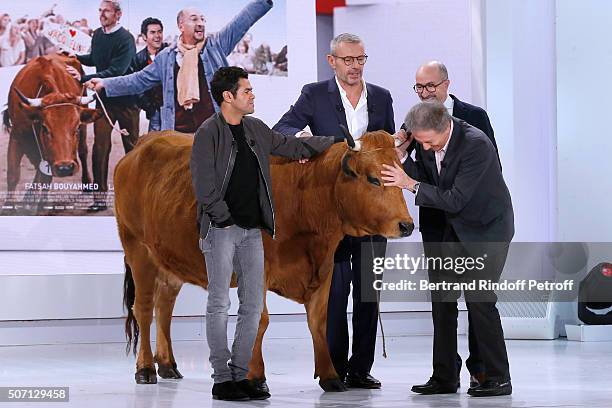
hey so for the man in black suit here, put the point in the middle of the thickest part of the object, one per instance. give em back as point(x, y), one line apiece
point(432, 84)
point(360, 106)
point(457, 173)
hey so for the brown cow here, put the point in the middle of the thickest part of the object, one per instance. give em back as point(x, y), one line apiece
point(44, 97)
point(337, 193)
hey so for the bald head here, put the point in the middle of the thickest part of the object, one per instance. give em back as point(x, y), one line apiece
point(190, 22)
point(432, 81)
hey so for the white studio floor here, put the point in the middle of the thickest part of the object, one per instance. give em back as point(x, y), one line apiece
point(544, 374)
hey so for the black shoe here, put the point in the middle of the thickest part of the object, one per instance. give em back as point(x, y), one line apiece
point(254, 392)
point(228, 391)
point(491, 388)
point(435, 387)
point(355, 380)
point(476, 380)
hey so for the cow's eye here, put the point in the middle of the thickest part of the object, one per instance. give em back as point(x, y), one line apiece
point(374, 180)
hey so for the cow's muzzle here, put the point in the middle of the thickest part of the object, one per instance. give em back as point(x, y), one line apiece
point(406, 229)
point(64, 169)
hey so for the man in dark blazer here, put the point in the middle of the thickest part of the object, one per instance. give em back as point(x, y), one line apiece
point(457, 173)
point(432, 84)
point(346, 99)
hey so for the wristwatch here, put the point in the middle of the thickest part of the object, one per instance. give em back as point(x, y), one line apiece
point(415, 188)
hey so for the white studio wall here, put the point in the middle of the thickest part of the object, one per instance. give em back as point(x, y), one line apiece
point(583, 65)
point(521, 95)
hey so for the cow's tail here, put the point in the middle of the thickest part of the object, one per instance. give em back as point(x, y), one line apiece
point(6, 120)
point(131, 325)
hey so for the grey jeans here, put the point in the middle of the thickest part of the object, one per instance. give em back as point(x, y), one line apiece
point(227, 250)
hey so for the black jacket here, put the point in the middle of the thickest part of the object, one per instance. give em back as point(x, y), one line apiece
point(151, 100)
point(212, 161)
point(477, 117)
point(470, 190)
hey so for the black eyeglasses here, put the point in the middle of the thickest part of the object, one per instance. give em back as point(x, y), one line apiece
point(350, 60)
point(418, 88)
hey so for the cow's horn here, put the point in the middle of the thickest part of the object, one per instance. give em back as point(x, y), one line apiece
point(355, 146)
point(36, 102)
point(86, 100)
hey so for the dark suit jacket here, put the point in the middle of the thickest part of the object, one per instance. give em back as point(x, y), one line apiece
point(320, 107)
point(470, 190)
point(476, 117)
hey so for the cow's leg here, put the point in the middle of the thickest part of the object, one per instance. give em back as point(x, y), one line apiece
point(257, 373)
point(39, 178)
point(13, 168)
point(99, 162)
point(165, 296)
point(316, 309)
point(85, 178)
point(144, 273)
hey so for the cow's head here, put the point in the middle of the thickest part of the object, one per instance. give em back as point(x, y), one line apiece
point(368, 207)
point(59, 116)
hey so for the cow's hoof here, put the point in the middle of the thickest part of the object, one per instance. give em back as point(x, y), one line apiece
point(332, 385)
point(260, 384)
point(169, 371)
point(146, 376)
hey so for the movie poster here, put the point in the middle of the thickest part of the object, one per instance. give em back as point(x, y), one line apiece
point(31, 29)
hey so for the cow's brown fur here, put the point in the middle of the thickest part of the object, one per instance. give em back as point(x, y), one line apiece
point(316, 204)
point(46, 77)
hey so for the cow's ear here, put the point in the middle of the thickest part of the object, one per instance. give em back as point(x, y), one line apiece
point(346, 166)
point(32, 112)
point(90, 115)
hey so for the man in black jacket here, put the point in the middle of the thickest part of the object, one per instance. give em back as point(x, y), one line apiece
point(112, 50)
point(151, 101)
point(432, 84)
point(231, 179)
point(457, 173)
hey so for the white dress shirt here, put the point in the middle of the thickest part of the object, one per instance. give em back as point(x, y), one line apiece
point(357, 117)
point(449, 103)
point(442, 152)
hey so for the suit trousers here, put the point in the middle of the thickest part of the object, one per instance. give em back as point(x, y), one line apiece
point(488, 353)
point(354, 264)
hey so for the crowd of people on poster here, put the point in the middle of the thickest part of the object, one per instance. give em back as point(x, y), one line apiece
point(22, 39)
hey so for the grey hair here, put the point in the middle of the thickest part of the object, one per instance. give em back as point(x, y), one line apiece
point(343, 38)
point(427, 116)
point(116, 4)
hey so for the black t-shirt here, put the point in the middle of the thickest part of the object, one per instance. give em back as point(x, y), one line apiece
point(242, 195)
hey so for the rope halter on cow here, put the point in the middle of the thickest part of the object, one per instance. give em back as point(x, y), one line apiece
point(37, 102)
point(44, 167)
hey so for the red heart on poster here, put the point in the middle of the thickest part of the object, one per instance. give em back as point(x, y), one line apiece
point(72, 32)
